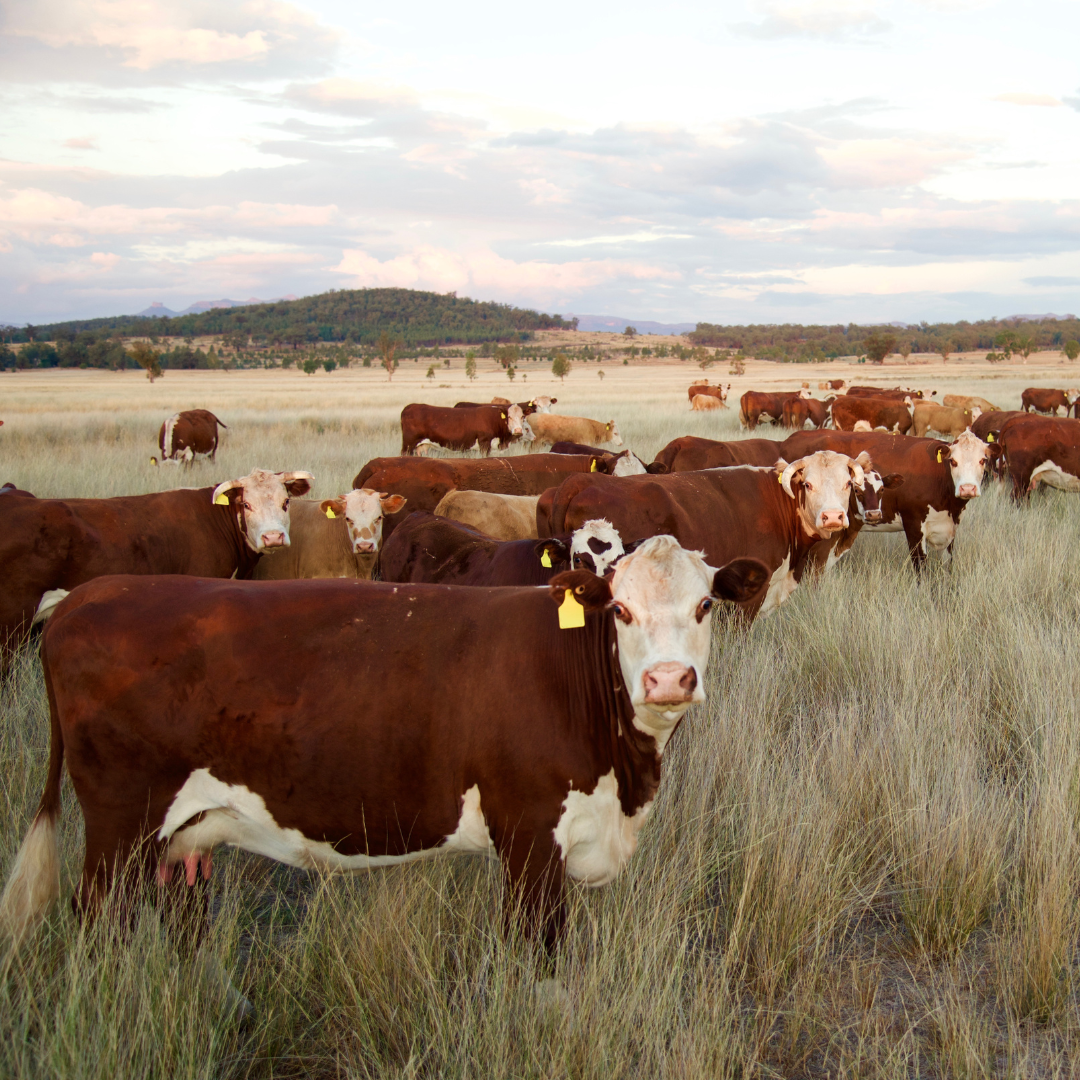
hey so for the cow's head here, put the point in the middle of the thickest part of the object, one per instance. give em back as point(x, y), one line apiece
point(514, 418)
point(662, 597)
point(543, 403)
point(527, 433)
point(821, 486)
point(261, 503)
point(966, 460)
point(628, 464)
point(868, 497)
point(596, 546)
point(363, 510)
point(611, 433)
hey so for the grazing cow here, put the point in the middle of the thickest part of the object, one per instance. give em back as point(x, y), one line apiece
point(193, 713)
point(49, 545)
point(1040, 450)
point(550, 428)
point(877, 412)
point(755, 406)
point(1044, 400)
point(689, 453)
point(833, 384)
point(897, 393)
point(335, 538)
point(723, 512)
point(988, 423)
point(798, 410)
point(425, 482)
point(929, 416)
point(705, 403)
point(505, 517)
point(704, 389)
point(460, 429)
point(625, 463)
point(939, 479)
point(527, 407)
point(188, 433)
point(967, 401)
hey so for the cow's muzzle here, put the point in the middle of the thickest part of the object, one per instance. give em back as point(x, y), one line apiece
point(669, 683)
point(831, 520)
point(275, 538)
point(872, 517)
point(967, 491)
point(364, 547)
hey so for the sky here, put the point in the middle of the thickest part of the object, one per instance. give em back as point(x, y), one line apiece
point(734, 162)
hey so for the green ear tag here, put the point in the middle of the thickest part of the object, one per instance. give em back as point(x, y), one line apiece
point(571, 613)
point(222, 500)
point(545, 559)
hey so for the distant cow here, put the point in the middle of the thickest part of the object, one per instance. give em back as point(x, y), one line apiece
point(1040, 450)
point(505, 517)
point(832, 384)
point(897, 393)
point(527, 407)
point(331, 539)
point(798, 410)
point(1044, 400)
point(689, 453)
point(625, 463)
point(928, 416)
point(188, 433)
point(705, 403)
point(460, 429)
point(877, 412)
point(48, 546)
point(967, 401)
point(755, 406)
point(704, 389)
point(551, 428)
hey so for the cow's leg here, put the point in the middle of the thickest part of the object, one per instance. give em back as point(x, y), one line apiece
point(913, 532)
point(534, 875)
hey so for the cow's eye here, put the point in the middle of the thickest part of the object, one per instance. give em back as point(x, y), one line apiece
point(808, 486)
point(621, 612)
point(247, 505)
point(285, 505)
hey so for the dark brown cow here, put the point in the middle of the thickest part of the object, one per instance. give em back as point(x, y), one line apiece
point(990, 422)
point(689, 453)
point(895, 394)
point(755, 404)
point(188, 433)
point(625, 463)
point(1044, 400)
point(775, 514)
point(424, 482)
point(1041, 450)
point(939, 479)
point(877, 412)
point(460, 429)
point(51, 545)
point(798, 410)
point(195, 712)
point(527, 407)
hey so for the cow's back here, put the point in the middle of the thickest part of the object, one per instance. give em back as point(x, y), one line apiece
point(689, 452)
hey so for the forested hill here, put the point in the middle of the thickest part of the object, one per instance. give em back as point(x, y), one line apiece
point(356, 315)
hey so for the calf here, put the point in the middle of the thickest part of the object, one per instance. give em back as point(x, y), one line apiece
point(705, 403)
point(194, 713)
point(773, 514)
point(335, 538)
point(504, 517)
point(690, 453)
point(939, 479)
point(188, 433)
point(550, 428)
point(1044, 400)
point(967, 401)
point(705, 390)
point(877, 412)
point(460, 429)
point(48, 545)
point(929, 416)
point(1039, 450)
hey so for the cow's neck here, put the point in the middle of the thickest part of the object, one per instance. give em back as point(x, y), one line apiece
point(243, 559)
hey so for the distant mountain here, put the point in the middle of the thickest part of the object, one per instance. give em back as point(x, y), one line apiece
point(156, 310)
point(1049, 317)
point(159, 310)
point(615, 324)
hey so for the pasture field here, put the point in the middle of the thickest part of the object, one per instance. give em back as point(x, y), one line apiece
point(864, 860)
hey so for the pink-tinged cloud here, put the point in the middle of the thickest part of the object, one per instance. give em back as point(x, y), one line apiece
point(1046, 100)
point(86, 143)
point(104, 260)
point(442, 270)
point(889, 162)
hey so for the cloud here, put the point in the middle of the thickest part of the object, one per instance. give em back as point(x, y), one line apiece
point(832, 22)
point(1029, 99)
point(1049, 281)
point(86, 143)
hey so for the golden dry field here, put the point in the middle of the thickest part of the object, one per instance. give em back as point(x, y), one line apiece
point(864, 860)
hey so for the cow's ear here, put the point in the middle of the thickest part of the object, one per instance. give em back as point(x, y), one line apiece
point(297, 483)
point(893, 480)
point(994, 450)
point(741, 579)
point(657, 468)
point(630, 548)
point(333, 508)
point(588, 590)
point(554, 550)
point(391, 504)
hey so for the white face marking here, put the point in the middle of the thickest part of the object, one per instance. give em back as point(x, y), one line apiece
point(235, 815)
point(263, 503)
point(364, 509)
point(588, 550)
point(967, 459)
point(613, 435)
point(827, 479)
point(938, 530)
point(658, 592)
point(1053, 476)
point(514, 417)
point(628, 465)
point(596, 839)
point(781, 585)
point(167, 449)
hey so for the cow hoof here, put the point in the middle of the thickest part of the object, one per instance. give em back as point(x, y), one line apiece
point(552, 999)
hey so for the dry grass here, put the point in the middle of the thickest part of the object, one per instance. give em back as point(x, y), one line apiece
point(863, 861)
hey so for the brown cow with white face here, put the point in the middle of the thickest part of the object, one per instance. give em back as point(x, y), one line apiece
point(185, 434)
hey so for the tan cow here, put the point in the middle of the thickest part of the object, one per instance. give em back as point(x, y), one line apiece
point(928, 416)
point(550, 428)
point(706, 403)
point(504, 517)
point(968, 401)
point(337, 538)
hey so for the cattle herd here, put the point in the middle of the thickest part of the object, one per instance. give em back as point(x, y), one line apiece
point(210, 653)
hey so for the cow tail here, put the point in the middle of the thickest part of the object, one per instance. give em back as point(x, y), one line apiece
point(33, 884)
point(220, 422)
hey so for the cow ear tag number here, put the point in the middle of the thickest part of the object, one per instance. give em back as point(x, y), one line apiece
point(222, 500)
point(545, 559)
point(330, 512)
point(571, 613)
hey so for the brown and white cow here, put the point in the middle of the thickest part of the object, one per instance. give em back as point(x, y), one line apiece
point(1044, 400)
point(689, 453)
point(798, 410)
point(705, 390)
point(773, 514)
point(551, 428)
point(624, 463)
point(939, 480)
point(51, 545)
point(892, 415)
point(1041, 450)
point(460, 429)
point(333, 538)
point(272, 740)
point(504, 517)
point(896, 393)
point(756, 406)
point(188, 433)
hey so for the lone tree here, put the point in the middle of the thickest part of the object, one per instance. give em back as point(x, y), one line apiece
point(311, 365)
point(943, 347)
point(511, 372)
point(1026, 344)
point(507, 355)
point(148, 359)
point(560, 366)
point(470, 365)
point(878, 345)
point(387, 347)
point(329, 365)
point(630, 332)
point(1071, 348)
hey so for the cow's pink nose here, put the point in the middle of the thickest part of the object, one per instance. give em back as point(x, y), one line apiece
point(275, 538)
point(364, 546)
point(833, 519)
point(968, 491)
point(872, 517)
point(669, 683)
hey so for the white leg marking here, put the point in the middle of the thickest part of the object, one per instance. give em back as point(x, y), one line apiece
point(938, 529)
point(595, 837)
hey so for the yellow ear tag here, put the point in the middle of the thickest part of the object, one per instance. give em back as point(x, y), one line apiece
point(592, 465)
point(990, 437)
point(222, 500)
point(780, 478)
point(571, 613)
point(939, 457)
point(503, 415)
point(330, 512)
point(545, 559)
